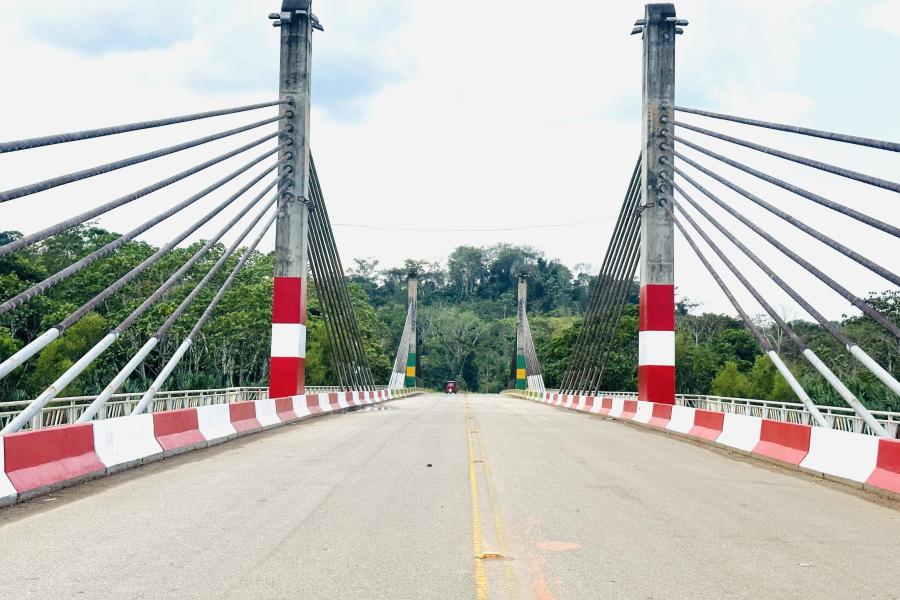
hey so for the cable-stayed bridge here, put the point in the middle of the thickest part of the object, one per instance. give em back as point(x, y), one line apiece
point(575, 492)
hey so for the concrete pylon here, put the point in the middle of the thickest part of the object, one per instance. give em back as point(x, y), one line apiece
point(656, 355)
point(411, 364)
point(287, 365)
point(521, 363)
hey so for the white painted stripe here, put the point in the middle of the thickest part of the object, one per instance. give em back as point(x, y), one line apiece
point(682, 419)
point(841, 453)
point(323, 403)
point(289, 340)
point(267, 413)
point(124, 441)
point(342, 400)
point(656, 348)
point(214, 422)
point(644, 412)
point(582, 400)
point(740, 431)
point(300, 407)
point(7, 491)
point(618, 405)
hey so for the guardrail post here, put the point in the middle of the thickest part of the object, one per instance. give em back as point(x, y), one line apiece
point(287, 362)
point(656, 362)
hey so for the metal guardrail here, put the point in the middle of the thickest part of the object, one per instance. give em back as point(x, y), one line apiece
point(839, 417)
point(63, 411)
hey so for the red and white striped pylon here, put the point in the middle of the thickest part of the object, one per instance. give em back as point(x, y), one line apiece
point(656, 344)
point(287, 366)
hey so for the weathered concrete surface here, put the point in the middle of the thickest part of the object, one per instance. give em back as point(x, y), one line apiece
point(569, 507)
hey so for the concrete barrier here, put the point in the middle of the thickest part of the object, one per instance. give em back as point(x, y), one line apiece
point(284, 409)
point(334, 401)
point(616, 407)
point(301, 409)
point(125, 441)
point(784, 442)
point(707, 424)
point(740, 432)
point(682, 420)
point(570, 401)
point(178, 430)
point(660, 415)
point(886, 475)
point(644, 412)
point(325, 403)
point(588, 405)
point(605, 405)
point(841, 454)
point(48, 459)
point(267, 413)
point(243, 417)
point(7, 491)
point(214, 423)
point(312, 404)
point(629, 409)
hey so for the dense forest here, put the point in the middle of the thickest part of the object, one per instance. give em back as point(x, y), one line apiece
point(466, 325)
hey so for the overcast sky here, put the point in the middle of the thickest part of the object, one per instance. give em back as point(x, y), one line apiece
point(440, 115)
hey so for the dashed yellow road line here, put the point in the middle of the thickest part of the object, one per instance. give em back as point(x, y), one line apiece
point(481, 587)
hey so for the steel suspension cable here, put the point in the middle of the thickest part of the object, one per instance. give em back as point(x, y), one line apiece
point(40, 186)
point(74, 136)
point(108, 206)
point(835, 206)
point(827, 135)
point(611, 282)
point(338, 270)
point(51, 334)
point(188, 341)
point(91, 258)
point(625, 284)
point(807, 352)
point(754, 330)
point(852, 347)
point(91, 355)
point(598, 295)
point(100, 401)
point(815, 164)
point(834, 285)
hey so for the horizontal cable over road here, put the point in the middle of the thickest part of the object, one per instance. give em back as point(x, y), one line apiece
point(112, 204)
point(53, 182)
point(815, 164)
point(74, 136)
point(826, 135)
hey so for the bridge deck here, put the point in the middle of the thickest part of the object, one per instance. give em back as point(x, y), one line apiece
point(345, 507)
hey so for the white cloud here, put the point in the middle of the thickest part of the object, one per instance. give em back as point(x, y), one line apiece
point(884, 15)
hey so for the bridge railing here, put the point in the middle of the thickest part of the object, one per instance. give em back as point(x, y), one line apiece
point(839, 417)
point(63, 411)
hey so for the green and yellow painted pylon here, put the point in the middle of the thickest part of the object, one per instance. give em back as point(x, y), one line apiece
point(412, 288)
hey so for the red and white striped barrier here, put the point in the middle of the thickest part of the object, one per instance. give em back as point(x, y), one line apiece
point(851, 457)
point(47, 459)
point(35, 462)
point(126, 441)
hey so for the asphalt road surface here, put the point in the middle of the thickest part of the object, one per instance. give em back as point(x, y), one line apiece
point(462, 497)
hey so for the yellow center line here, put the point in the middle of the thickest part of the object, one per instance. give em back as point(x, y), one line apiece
point(481, 587)
point(512, 587)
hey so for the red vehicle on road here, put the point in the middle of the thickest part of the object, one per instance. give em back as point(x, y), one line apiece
point(450, 387)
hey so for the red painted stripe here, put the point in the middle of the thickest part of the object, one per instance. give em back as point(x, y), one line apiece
point(286, 376)
point(333, 401)
point(589, 403)
point(312, 403)
point(656, 383)
point(46, 457)
point(787, 442)
point(177, 429)
point(289, 300)
point(243, 416)
point(629, 408)
point(605, 406)
point(707, 424)
point(887, 467)
point(284, 408)
point(349, 397)
point(662, 414)
point(371, 395)
point(657, 308)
